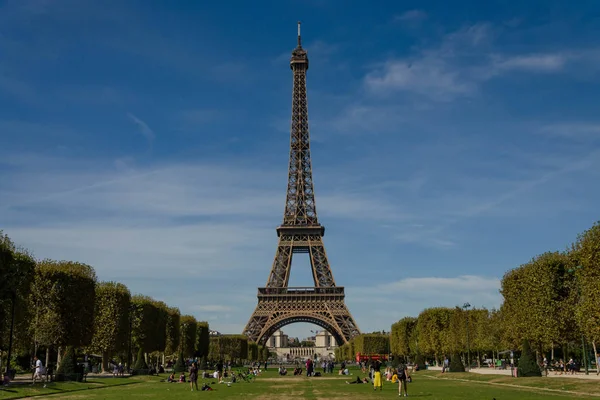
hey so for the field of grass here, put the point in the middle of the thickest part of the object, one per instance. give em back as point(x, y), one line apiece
point(270, 386)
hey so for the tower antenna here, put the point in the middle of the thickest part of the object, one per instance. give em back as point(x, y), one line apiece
point(299, 38)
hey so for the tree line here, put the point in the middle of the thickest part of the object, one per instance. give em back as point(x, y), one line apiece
point(59, 310)
point(551, 303)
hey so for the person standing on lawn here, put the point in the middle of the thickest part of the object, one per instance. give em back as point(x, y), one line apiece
point(402, 377)
point(194, 376)
point(377, 381)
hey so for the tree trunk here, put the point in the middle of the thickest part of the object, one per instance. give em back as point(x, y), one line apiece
point(105, 362)
point(564, 349)
point(478, 360)
point(552, 353)
point(596, 356)
point(47, 356)
point(58, 357)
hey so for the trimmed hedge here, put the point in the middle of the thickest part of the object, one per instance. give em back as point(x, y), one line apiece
point(371, 344)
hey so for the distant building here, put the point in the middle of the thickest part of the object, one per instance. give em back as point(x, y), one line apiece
point(279, 339)
point(324, 347)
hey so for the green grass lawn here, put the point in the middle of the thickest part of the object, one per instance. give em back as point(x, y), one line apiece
point(270, 386)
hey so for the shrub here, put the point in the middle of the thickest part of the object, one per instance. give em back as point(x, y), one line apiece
point(456, 364)
point(179, 364)
point(140, 361)
point(68, 370)
point(527, 363)
point(420, 361)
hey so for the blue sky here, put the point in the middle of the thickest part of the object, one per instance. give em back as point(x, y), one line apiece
point(449, 144)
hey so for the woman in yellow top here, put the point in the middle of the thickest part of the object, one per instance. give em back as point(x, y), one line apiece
point(377, 381)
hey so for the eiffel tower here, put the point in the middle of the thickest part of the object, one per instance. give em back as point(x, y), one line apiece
point(278, 304)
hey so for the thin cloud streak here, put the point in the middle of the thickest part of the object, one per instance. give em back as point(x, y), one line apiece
point(144, 128)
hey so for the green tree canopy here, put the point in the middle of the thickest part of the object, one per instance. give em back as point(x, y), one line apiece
point(111, 320)
point(173, 331)
point(432, 327)
point(188, 329)
point(401, 334)
point(149, 323)
point(202, 339)
point(63, 298)
point(586, 253)
point(17, 270)
point(539, 302)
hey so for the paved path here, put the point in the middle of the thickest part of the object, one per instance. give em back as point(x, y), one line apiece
point(507, 372)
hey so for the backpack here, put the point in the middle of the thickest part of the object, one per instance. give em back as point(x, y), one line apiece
point(401, 373)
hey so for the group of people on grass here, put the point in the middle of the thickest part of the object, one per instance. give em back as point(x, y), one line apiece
point(398, 376)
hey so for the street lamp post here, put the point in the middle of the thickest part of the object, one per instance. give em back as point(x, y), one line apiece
point(466, 308)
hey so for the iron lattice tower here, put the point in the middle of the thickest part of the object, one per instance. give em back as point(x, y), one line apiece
point(278, 304)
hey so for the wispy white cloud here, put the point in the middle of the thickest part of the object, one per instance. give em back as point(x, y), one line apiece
point(532, 62)
point(573, 130)
point(428, 76)
point(144, 128)
point(459, 64)
point(411, 16)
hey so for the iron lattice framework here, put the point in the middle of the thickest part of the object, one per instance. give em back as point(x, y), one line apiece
point(278, 304)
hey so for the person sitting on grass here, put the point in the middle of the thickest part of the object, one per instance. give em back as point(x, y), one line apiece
point(282, 370)
point(182, 377)
point(394, 376)
point(171, 378)
point(358, 380)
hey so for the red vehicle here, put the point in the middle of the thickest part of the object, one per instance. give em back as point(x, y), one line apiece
point(371, 356)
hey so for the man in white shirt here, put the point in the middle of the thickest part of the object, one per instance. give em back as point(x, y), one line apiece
point(39, 369)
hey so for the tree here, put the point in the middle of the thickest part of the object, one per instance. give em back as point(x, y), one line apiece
point(400, 336)
point(111, 320)
point(63, 298)
point(203, 339)
point(173, 330)
point(586, 253)
point(188, 335)
point(215, 350)
point(432, 327)
point(160, 326)
point(17, 269)
point(253, 351)
point(538, 292)
point(149, 323)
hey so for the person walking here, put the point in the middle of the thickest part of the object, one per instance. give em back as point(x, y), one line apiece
point(194, 376)
point(39, 369)
point(402, 377)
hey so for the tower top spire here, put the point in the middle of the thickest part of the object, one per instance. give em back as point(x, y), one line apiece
point(299, 57)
